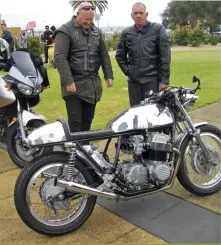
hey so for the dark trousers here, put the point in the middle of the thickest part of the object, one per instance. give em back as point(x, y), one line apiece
point(80, 113)
point(46, 53)
point(137, 91)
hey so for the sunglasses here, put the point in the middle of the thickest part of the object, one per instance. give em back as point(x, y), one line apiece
point(89, 8)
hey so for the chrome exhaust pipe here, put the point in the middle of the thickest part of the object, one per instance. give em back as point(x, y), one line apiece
point(84, 189)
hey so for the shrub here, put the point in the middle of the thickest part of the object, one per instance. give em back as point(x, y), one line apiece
point(196, 36)
point(113, 44)
point(116, 36)
point(182, 36)
point(206, 38)
point(34, 45)
point(214, 40)
point(172, 38)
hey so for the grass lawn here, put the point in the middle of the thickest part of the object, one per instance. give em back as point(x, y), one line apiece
point(185, 64)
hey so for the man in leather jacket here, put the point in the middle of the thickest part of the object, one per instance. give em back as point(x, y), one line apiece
point(80, 51)
point(143, 54)
point(7, 35)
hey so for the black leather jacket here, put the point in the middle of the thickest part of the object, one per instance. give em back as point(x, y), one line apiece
point(7, 35)
point(144, 55)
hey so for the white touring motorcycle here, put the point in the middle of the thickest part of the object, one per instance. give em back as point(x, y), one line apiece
point(56, 193)
point(20, 91)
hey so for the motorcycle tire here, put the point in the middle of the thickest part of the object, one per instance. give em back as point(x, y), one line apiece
point(182, 174)
point(21, 196)
point(13, 150)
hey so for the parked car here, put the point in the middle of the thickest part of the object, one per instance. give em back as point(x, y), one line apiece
point(215, 30)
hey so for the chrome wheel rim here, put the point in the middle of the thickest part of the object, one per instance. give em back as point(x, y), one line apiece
point(199, 172)
point(63, 217)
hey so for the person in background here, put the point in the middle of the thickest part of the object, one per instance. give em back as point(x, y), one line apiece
point(143, 54)
point(7, 35)
point(80, 51)
point(23, 40)
point(51, 48)
point(53, 29)
point(47, 39)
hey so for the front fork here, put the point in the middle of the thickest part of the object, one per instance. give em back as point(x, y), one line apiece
point(20, 122)
point(195, 133)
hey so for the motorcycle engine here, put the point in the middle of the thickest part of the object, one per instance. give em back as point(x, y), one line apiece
point(149, 164)
point(134, 174)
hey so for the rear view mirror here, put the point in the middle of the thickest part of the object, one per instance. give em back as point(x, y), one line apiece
point(196, 79)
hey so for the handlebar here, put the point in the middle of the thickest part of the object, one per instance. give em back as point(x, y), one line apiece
point(172, 91)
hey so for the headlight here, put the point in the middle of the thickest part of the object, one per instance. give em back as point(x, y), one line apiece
point(37, 90)
point(25, 89)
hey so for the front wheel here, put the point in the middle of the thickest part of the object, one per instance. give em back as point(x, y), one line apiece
point(196, 174)
point(48, 209)
point(17, 150)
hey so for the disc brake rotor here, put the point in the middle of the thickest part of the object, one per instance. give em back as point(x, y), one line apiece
point(198, 162)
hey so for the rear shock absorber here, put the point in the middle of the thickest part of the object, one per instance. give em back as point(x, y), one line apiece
point(70, 167)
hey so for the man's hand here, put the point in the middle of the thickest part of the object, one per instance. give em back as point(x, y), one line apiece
point(163, 86)
point(109, 83)
point(71, 88)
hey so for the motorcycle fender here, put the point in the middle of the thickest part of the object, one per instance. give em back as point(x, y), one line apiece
point(28, 116)
point(91, 168)
point(183, 135)
point(85, 159)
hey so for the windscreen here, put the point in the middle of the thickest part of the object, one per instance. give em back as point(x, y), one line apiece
point(24, 64)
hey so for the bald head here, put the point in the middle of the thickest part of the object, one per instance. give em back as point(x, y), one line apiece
point(84, 5)
point(85, 15)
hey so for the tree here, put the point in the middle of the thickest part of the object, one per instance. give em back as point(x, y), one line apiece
point(188, 12)
point(101, 5)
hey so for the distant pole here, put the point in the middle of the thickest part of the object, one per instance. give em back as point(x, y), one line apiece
point(97, 18)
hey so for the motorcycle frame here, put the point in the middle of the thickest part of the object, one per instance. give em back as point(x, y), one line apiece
point(87, 158)
point(192, 130)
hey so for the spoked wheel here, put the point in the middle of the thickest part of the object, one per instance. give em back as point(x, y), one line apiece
point(49, 209)
point(17, 150)
point(195, 173)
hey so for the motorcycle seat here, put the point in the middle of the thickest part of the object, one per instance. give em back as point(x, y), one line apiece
point(86, 135)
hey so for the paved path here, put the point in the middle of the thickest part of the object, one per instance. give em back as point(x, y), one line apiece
point(168, 217)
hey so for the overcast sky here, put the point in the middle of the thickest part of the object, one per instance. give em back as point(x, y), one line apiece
point(57, 12)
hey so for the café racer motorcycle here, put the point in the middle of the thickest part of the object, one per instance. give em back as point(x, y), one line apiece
point(56, 193)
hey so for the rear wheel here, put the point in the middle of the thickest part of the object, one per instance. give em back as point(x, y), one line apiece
point(17, 150)
point(49, 209)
